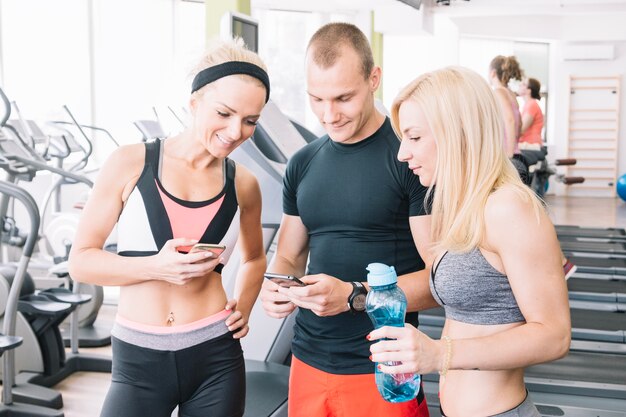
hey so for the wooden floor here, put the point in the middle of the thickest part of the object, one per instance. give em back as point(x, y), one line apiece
point(83, 392)
point(587, 212)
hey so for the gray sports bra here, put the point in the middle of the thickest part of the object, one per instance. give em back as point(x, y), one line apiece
point(472, 291)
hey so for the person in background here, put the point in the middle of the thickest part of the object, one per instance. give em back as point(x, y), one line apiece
point(347, 202)
point(502, 69)
point(532, 117)
point(532, 126)
point(176, 336)
point(496, 271)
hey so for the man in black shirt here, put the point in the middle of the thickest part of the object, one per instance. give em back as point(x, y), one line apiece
point(347, 202)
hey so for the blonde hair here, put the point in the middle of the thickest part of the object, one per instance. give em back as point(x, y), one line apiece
point(464, 118)
point(221, 51)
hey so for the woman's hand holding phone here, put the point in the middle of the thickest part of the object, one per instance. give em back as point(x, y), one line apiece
point(216, 250)
point(179, 268)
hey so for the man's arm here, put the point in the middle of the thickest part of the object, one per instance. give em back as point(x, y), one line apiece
point(291, 256)
point(292, 250)
point(324, 295)
point(415, 284)
point(420, 230)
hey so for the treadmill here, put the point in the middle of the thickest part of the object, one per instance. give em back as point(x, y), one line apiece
point(600, 249)
point(585, 289)
point(598, 288)
point(275, 140)
point(606, 233)
point(590, 239)
point(601, 267)
point(605, 329)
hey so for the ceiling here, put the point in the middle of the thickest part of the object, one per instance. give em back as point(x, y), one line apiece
point(567, 20)
point(459, 7)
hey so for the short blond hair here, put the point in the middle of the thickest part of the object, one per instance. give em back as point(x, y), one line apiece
point(465, 120)
point(327, 43)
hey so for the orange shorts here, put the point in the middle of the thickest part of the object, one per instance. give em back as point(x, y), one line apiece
point(315, 393)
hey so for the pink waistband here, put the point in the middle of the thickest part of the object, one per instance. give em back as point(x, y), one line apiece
point(194, 325)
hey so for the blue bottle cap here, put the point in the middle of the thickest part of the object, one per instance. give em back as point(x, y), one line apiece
point(381, 274)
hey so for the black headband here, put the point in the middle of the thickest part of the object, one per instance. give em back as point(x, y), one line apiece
point(208, 75)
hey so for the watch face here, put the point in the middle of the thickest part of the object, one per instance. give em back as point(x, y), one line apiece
point(358, 302)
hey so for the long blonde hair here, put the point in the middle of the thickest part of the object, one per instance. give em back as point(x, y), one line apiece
point(465, 120)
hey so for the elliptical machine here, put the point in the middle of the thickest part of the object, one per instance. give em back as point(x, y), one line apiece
point(12, 314)
point(55, 236)
point(37, 317)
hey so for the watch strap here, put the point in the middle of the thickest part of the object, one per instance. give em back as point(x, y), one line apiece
point(357, 289)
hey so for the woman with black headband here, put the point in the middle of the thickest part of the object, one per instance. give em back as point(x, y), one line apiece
point(175, 339)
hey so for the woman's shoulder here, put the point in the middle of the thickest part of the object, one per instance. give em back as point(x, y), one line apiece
point(506, 203)
point(132, 153)
point(533, 104)
point(245, 181)
point(243, 173)
point(126, 161)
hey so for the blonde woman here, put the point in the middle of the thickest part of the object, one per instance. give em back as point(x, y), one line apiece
point(176, 337)
point(497, 274)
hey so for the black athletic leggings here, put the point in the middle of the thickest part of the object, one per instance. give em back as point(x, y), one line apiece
point(205, 380)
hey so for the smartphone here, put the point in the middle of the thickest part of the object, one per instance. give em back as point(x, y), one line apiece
point(215, 249)
point(284, 280)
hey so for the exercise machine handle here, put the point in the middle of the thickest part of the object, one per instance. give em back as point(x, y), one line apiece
point(10, 314)
point(566, 161)
point(573, 180)
point(61, 172)
point(7, 108)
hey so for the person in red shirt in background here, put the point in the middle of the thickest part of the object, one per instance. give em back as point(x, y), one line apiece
point(532, 125)
point(532, 117)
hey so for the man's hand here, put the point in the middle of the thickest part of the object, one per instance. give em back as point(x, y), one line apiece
point(274, 303)
point(324, 295)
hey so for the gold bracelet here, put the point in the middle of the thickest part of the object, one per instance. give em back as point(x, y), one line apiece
point(446, 360)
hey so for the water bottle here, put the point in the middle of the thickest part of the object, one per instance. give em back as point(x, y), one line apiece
point(386, 306)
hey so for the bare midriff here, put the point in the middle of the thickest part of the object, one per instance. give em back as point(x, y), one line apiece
point(160, 303)
point(480, 392)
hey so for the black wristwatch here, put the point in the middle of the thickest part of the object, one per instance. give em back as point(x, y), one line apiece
point(356, 301)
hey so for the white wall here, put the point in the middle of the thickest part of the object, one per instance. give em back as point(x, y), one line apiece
point(407, 56)
point(110, 61)
point(560, 91)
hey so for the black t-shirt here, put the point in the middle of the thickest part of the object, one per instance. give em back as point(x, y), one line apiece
point(355, 201)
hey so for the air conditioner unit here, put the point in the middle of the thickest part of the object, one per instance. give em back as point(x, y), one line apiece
point(398, 19)
point(589, 52)
point(413, 3)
